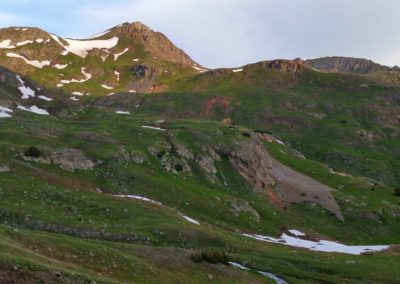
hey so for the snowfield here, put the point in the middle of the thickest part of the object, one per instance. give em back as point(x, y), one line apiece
point(321, 246)
point(82, 47)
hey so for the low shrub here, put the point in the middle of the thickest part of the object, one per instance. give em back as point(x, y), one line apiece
point(33, 152)
point(210, 256)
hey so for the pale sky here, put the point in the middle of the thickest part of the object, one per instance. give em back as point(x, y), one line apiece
point(229, 33)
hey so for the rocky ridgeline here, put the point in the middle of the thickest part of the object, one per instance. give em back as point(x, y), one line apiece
point(347, 65)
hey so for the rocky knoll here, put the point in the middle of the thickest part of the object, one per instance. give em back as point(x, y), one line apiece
point(346, 64)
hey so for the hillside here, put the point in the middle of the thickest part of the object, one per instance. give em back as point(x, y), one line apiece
point(148, 168)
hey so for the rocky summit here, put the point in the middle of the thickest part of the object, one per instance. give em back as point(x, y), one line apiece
point(124, 161)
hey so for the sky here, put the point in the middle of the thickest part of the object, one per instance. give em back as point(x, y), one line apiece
point(231, 33)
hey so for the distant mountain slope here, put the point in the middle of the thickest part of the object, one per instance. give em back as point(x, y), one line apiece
point(128, 57)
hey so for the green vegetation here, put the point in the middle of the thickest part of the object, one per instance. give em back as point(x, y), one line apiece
point(193, 178)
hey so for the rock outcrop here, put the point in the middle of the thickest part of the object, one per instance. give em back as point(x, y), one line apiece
point(71, 159)
point(346, 65)
point(279, 182)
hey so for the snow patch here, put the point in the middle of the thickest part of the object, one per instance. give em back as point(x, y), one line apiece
point(117, 75)
point(5, 112)
point(117, 55)
point(6, 44)
point(122, 112)
point(190, 220)
point(34, 109)
point(154, 128)
point(107, 87)
point(35, 63)
point(88, 76)
point(74, 99)
point(237, 70)
point(266, 274)
point(26, 92)
point(82, 47)
point(61, 66)
point(45, 98)
point(296, 233)
point(201, 70)
point(320, 246)
point(138, 197)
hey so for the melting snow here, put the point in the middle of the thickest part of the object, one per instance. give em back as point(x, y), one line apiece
point(190, 220)
point(104, 57)
point(117, 75)
point(6, 44)
point(273, 277)
point(321, 246)
point(296, 233)
point(61, 66)
point(34, 109)
point(237, 70)
point(132, 91)
point(88, 76)
point(25, 91)
point(74, 99)
point(82, 47)
point(123, 112)
point(117, 55)
point(238, 265)
point(5, 112)
point(35, 63)
point(45, 98)
point(138, 197)
point(201, 70)
point(24, 42)
point(266, 274)
point(136, 60)
point(154, 128)
point(107, 87)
